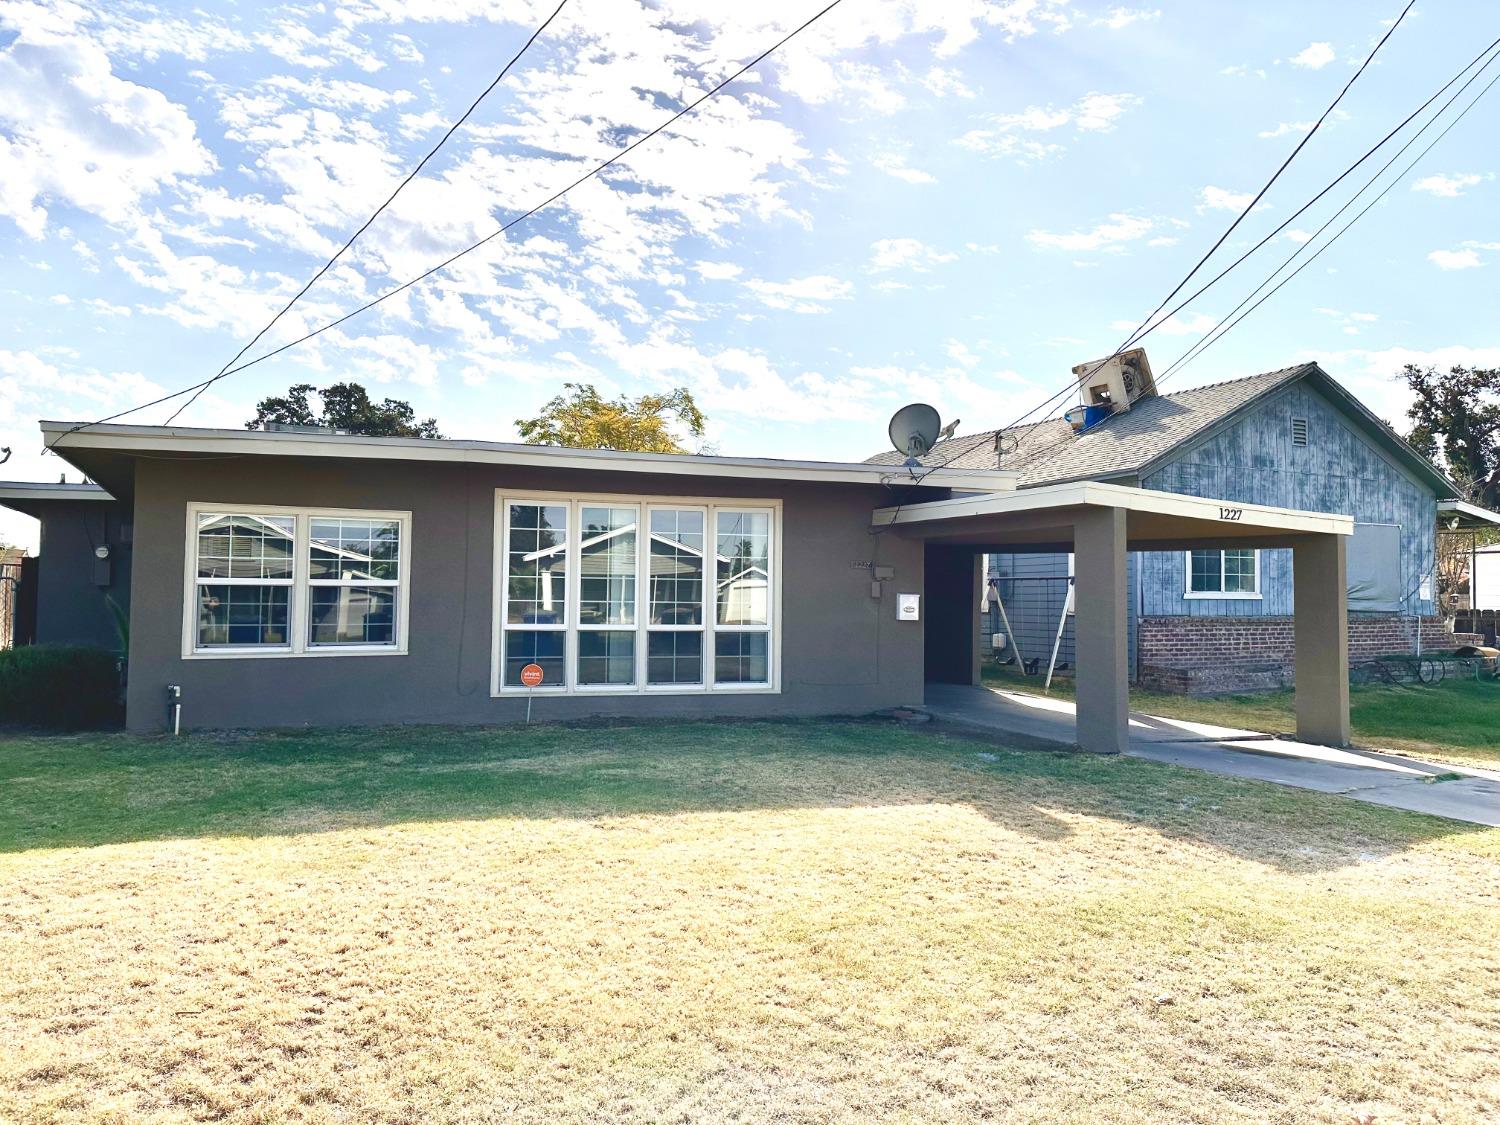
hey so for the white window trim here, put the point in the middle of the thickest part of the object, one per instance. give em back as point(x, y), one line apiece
point(297, 620)
point(570, 629)
point(1218, 595)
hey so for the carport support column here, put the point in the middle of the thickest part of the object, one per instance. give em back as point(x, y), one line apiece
point(1321, 632)
point(1099, 621)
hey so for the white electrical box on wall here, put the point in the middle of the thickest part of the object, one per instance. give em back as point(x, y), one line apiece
point(908, 607)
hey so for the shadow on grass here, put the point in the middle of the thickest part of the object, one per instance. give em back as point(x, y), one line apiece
point(90, 790)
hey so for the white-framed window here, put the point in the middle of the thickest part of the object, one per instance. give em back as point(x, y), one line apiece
point(632, 594)
point(1233, 573)
point(267, 581)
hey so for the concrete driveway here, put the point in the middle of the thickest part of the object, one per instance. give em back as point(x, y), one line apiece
point(1362, 775)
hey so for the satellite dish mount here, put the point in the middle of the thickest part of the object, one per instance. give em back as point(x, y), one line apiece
point(914, 430)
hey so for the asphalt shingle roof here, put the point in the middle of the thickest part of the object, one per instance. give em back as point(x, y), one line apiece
point(1050, 452)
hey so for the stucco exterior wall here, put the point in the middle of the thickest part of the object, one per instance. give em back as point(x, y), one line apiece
point(843, 652)
point(71, 583)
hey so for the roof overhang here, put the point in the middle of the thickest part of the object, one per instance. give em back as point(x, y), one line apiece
point(30, 497)
point(1467, 516)
point(104, 452)
point(1042, 519)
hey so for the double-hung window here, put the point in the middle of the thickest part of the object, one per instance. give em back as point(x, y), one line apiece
point(1223, 574)
point(278, 581)
point(623, 594)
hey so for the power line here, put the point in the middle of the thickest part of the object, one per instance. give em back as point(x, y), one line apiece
point(1275, 176)
point(389, 200)
point(1201, 346)
point(1146, 327)
point(689, 108)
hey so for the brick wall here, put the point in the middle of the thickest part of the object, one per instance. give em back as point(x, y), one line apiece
point(1254, 653)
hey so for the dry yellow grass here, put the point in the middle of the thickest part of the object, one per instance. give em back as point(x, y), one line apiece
point(811, 922)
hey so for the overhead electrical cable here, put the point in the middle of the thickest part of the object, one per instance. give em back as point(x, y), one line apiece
point(1223, 328)
point(1146, 326)
point(1249, 207)
point(553, 198)
point(328, 265)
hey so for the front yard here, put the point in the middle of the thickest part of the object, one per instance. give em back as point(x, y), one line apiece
point(1457, 721)
point(750, 922)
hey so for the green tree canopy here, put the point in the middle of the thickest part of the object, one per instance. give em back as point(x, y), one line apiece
point(346, 406)
point(1456, 419)
point(581, 418)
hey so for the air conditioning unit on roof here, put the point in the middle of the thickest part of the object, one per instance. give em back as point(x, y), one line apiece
point(1112, 385)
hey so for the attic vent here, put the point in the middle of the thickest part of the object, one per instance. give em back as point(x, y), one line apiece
point(1299, 431)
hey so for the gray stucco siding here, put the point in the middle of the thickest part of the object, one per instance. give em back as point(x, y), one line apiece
point(842, 651)
point(72, 584)
point(1255, 462)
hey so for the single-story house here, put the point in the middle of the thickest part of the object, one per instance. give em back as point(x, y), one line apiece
point(1209, 619)
point(290, 578)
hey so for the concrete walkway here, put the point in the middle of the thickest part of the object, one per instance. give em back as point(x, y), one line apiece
point(1363, 775)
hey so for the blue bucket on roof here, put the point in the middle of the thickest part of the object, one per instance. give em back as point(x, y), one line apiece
point(1086, 417)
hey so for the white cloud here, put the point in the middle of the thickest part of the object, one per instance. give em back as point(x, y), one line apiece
point(1242, 71)
point(1314, 56)
point(1448, 185)
point(1222, 199)
point(1119, 228)
point(1284, 128)
point(75, 133)
point(1455, 259)
point(906, 253)
point(717, 271)
point(894, 164)
point(1005, 134)
point(1117, 18)
point(802, 295)
point(1298, 236)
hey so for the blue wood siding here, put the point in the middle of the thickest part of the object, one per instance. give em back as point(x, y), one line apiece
point(1255, 462)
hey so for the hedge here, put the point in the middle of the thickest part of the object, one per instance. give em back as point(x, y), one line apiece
point(64, 687)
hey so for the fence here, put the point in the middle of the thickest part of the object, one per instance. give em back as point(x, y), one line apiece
point(1483, 621)
point(10, 586)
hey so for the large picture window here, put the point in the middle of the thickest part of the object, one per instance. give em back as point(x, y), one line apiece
point(625, 594)
point(1223, 574)
point(267, 582)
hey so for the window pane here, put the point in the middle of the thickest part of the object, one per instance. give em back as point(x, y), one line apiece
point(606, 657)
point(741, 658)
point(674, 658)
point(242, 615)
point(354, 549)
point(1205, 571)
point(676, 568)
point(607, 566)
point(1239, 572)
point(744, 541)
point(537, 561)
point(245, 546)
point(524, 646)
point(352, 615)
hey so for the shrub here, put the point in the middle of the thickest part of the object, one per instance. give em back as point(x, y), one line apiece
point(65, 687)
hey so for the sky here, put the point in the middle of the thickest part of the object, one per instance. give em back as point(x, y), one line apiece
point(950, 202)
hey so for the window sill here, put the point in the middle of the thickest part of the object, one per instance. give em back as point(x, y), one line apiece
point(1237, 596)
point(654, 690)
point(288, 654)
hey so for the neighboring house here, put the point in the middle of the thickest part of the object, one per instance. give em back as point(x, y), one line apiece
point(83, 561)
point(1212, 619)
point(289, 579)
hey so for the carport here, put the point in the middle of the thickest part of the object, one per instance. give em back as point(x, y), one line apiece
point(1099, 524)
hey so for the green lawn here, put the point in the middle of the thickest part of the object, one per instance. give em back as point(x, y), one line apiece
point(814, 922)
point(1456, 721)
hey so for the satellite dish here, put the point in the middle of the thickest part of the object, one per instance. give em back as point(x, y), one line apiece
point(914, 430)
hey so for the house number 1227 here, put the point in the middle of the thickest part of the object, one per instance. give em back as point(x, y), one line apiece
point(1231, 513)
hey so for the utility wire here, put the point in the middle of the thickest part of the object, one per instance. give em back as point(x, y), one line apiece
point(1201, 346)
point(1275, 176)
point(328, 265)
point(694, 104)
point(1146, 327)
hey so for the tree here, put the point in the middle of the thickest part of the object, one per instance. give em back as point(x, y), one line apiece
point(582, 419)
point(346, 406)
point(1456, 415)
